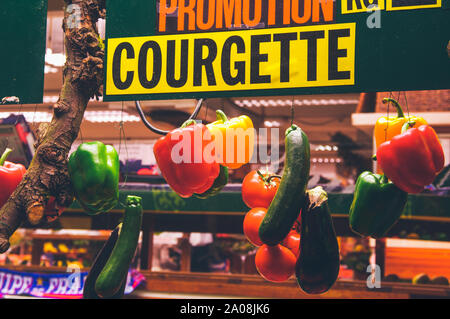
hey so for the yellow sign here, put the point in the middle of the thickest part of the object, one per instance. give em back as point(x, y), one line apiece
point(353, 6)
point(307, 56)
point(394, 5)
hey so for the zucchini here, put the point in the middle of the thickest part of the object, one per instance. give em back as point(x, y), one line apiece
point(99, 263)
point(290, 196)
point(116, 268)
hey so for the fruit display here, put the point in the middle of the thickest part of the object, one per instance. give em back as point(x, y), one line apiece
point(293, 230)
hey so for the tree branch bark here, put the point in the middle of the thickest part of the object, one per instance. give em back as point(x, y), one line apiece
point(47, 174)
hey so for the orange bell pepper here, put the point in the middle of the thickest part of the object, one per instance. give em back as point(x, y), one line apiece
point(388, 127)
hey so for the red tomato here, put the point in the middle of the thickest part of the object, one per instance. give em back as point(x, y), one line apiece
point(257, 192)
point(292, 241)
point(252, 221)
point(275, 263)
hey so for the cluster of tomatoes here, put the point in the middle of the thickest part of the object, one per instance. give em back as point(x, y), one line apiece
point(274, 263)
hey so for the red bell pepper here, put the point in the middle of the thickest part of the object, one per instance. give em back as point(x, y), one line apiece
point(183, 161)
point(10, 176)
point(412, 159)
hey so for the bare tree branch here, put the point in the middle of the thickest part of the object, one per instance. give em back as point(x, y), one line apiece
point(47, 174)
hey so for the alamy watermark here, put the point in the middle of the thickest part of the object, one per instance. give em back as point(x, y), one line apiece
point(235, 145)
point(374, 19)
point(374, 279)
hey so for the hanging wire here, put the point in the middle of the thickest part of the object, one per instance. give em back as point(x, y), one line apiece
point(206, 113)
point(406, 103)
point(18, 114)
point(34, 114)
point(81, 135)
point(157, 130)
point(120, 129)
point(387, 116)
point(122, 134)
point(292, 110)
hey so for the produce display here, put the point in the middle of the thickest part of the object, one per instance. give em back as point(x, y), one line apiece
point(290, 225)
point(410, 156)
point(201, 169)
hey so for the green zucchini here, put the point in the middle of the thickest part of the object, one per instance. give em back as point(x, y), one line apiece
point(112, 276)
point(290, 196)
point(99, 263)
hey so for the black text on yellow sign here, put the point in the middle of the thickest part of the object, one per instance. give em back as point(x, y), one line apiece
point(309, 56)
point(354, 6)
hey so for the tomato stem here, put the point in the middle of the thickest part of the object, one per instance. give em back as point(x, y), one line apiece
point(272, 177)
point(267, 180)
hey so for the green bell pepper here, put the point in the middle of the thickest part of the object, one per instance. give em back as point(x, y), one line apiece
point(218, 184)
point(377, 205)
point(94, 173)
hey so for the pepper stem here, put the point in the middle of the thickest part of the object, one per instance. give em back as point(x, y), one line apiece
point(5, 155)
point(187, 123)
point(407, 125)
point(221, 116)
point(384, 179)
point(396, 104)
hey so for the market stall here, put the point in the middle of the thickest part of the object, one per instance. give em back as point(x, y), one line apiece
point(240, 149)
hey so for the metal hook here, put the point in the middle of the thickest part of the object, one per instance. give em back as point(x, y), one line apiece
point(157, 130)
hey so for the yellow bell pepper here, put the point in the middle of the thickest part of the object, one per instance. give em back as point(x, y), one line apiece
point(233, 139)
point(386, 128)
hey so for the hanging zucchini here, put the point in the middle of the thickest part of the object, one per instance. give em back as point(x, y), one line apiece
point(116, 268)
point(97, 266)
point(290, 196)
